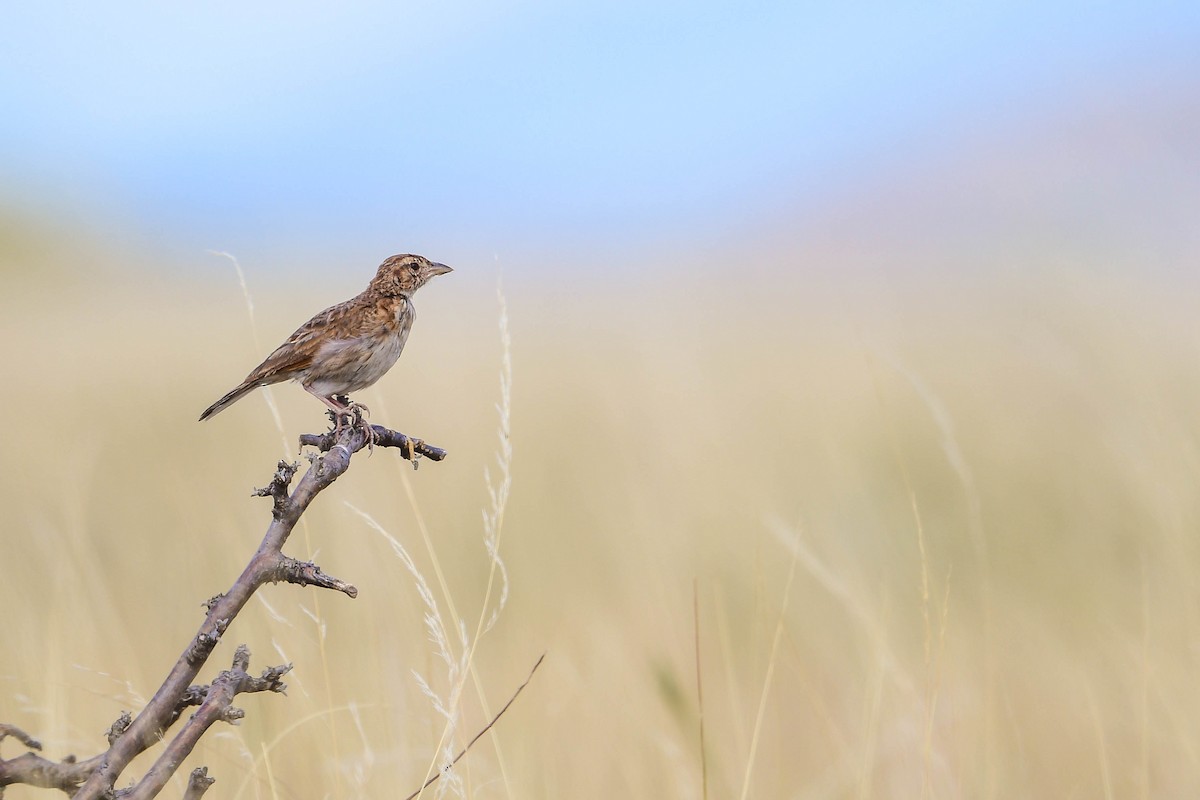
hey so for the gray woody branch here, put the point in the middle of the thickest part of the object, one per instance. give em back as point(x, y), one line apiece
point(96, 777)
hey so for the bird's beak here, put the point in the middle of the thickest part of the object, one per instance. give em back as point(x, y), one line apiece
point(438, 269)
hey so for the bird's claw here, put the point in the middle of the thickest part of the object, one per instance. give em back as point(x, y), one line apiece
point(343, 411)
point(367, 429)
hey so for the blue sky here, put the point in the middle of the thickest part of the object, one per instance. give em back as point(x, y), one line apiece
point(274, 125)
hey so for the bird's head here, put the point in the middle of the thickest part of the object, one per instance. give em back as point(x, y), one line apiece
point(404, 274)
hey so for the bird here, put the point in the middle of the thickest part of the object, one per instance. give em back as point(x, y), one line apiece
point(346, 347)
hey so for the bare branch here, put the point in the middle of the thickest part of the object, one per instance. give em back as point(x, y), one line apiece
point(217, 705)
point(96, 777)
point(196, 695)
point(120, 726)
point(31, 769)
point(278, 487)
point(306, 573)
point(35, 770)
point(410, 446)
point(266, 565)
point(20, 735)
point(198, 784)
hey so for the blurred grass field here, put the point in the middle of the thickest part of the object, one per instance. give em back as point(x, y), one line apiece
point(940, 526)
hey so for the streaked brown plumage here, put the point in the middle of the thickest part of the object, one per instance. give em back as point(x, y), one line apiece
point(349, 346)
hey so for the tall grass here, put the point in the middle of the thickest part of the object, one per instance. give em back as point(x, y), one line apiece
point(987, 491)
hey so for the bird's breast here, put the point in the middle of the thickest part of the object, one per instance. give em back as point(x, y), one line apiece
point(347, 365)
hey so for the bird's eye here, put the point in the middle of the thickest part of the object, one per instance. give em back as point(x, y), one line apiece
point(413, 266)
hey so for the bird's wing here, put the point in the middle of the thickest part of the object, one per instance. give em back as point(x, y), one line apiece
point(371, 316)
point(352, 319)
point(297, 353)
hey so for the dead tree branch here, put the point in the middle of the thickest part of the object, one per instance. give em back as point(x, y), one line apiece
point(97, 776)
point(410, 446)
point(198, 784)
point(34, 770)
point(217, 705)
point(20, 735)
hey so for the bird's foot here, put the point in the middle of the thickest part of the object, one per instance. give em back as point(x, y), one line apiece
point(343, 403)
point(346, 413)
point(360, 421)
point(353, 418)
point(358, 413)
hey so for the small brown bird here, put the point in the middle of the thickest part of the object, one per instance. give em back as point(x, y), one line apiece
point(349, 346)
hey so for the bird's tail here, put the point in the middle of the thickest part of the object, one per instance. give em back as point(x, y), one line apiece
point(228, 400)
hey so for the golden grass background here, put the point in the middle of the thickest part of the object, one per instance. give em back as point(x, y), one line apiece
point(940, 524)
